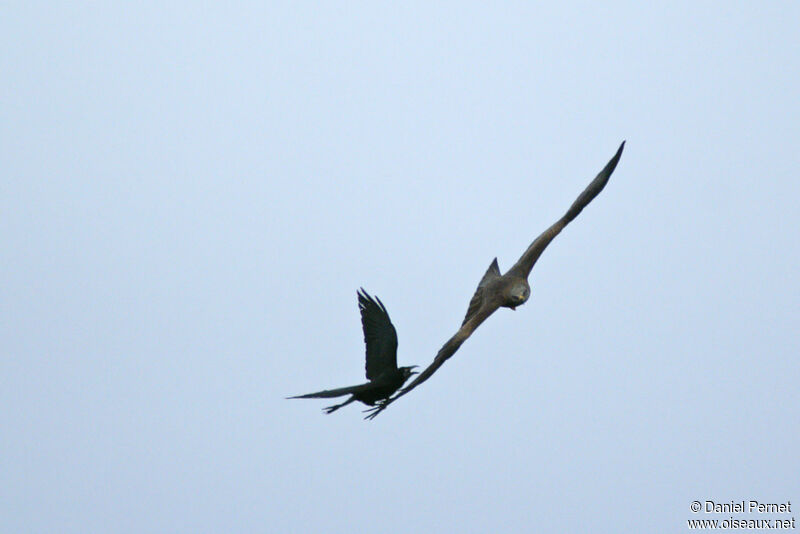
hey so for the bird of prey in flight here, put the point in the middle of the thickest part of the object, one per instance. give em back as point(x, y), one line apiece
point(382, 372)
point(507, 290)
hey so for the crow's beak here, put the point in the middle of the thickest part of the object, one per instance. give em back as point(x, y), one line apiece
point(413, 372)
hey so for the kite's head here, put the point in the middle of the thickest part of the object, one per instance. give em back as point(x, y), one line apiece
point(517, 294)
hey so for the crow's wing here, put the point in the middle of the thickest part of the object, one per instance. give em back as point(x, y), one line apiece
point(335, 392)
point(492, 273)
point(379, 336)
point(447, 350)
point(528, 259)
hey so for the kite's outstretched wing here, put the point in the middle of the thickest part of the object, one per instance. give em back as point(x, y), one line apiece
point(482, 306)
point(528, 259)
point(380, 336)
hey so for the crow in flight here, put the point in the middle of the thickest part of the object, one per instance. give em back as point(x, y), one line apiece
point(382, 372)
point(508, 290)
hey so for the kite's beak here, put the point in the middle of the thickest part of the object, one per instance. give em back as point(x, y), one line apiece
point(413, 372)
point(513, 308)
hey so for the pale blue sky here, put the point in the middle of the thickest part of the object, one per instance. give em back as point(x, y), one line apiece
point(192, 194)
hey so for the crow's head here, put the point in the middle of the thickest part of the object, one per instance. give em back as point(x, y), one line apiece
point(407, 372)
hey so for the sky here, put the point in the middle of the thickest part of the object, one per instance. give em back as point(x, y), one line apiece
point(193, 192)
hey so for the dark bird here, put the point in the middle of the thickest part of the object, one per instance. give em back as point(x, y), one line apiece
point(507, 290)
point(382, 372)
